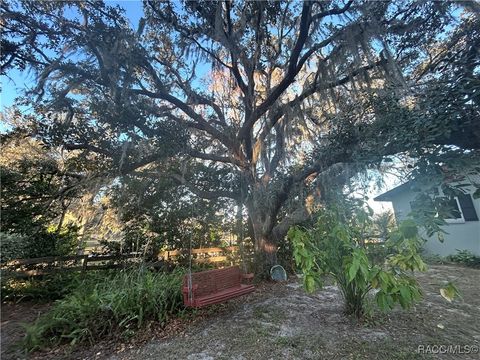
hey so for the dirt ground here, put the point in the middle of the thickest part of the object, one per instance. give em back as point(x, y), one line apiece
point(13, 316)
point(281, 321)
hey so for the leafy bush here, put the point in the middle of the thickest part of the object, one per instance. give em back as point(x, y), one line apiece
point(13, 246)
point(465, 257)
point(55, 242)
point(47, 288)
point(336, 247)
point(43, 242)
point(377, 252)
point(118, 304)
point(383, 224)
point(434, 259)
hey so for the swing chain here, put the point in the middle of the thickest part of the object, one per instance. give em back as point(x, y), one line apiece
point(189, 282)
point(240, 222)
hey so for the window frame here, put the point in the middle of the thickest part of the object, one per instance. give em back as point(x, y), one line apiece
point(461, 219)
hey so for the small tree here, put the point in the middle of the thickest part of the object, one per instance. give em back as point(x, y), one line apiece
point(335, 247)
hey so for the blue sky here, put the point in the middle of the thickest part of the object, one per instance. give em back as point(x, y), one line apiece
point(16, 81)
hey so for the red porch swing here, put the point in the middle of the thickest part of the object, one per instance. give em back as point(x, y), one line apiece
point(214, 286)
point(219, 285)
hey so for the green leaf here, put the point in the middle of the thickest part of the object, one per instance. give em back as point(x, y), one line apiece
point(405, 293)
point(385, 280)
point(382, 301)
point(364, 268)
point(309, 283)
point(408, 229)
point(449, 292)
point(352, 271)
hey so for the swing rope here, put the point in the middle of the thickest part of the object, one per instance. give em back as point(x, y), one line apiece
point(240, 245)
point(240, 222)
point(189, 282)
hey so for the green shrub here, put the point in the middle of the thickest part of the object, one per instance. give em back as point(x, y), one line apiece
point(43, 242)
point(465, 257)
point(13, 246)
point(53, 242)
point(377, 252)
point(118, 304)
point(46, 288)
point(335, 247)
point(434, 259)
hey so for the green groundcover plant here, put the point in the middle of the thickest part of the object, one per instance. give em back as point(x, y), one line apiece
point(336, 246)
point(465, 257)
point(119, 304)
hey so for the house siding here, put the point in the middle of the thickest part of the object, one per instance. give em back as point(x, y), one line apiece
point(462, 236)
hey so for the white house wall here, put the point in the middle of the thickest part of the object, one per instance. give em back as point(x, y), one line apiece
point(462, 236)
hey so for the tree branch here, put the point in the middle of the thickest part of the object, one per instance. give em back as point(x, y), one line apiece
point(292, 71)
point(209, 195)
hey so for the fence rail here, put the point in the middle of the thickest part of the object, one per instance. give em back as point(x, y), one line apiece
point(24, 268)
point(200, 253)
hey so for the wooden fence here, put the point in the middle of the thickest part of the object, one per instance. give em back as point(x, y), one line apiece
point(24, 268)
point(204, 255)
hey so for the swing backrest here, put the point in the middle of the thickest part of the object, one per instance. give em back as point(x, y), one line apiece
point(212, 281)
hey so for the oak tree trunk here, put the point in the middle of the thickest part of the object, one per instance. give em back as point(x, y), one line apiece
point(265, 244)
point(265, 255)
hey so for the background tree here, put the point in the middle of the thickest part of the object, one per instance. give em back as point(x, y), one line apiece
point(48, 207)
point(313, 93)
point(35, 196)
point(158, 214)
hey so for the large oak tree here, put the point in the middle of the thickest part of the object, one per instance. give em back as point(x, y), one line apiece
point(269, 103)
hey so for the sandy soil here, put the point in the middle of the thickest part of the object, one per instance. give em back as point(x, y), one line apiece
point(289, 324)
point(282, 321)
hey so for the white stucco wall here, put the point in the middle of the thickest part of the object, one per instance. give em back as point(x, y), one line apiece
point(462, 236)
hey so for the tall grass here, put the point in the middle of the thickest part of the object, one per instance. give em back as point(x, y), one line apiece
point(120, 304)
point(47, 288)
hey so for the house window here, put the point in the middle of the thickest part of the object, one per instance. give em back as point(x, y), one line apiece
point(456, 214)
point(460, 209)
point(468, 209)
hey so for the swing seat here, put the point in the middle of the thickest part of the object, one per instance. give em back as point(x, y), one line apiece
point(215, 286)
